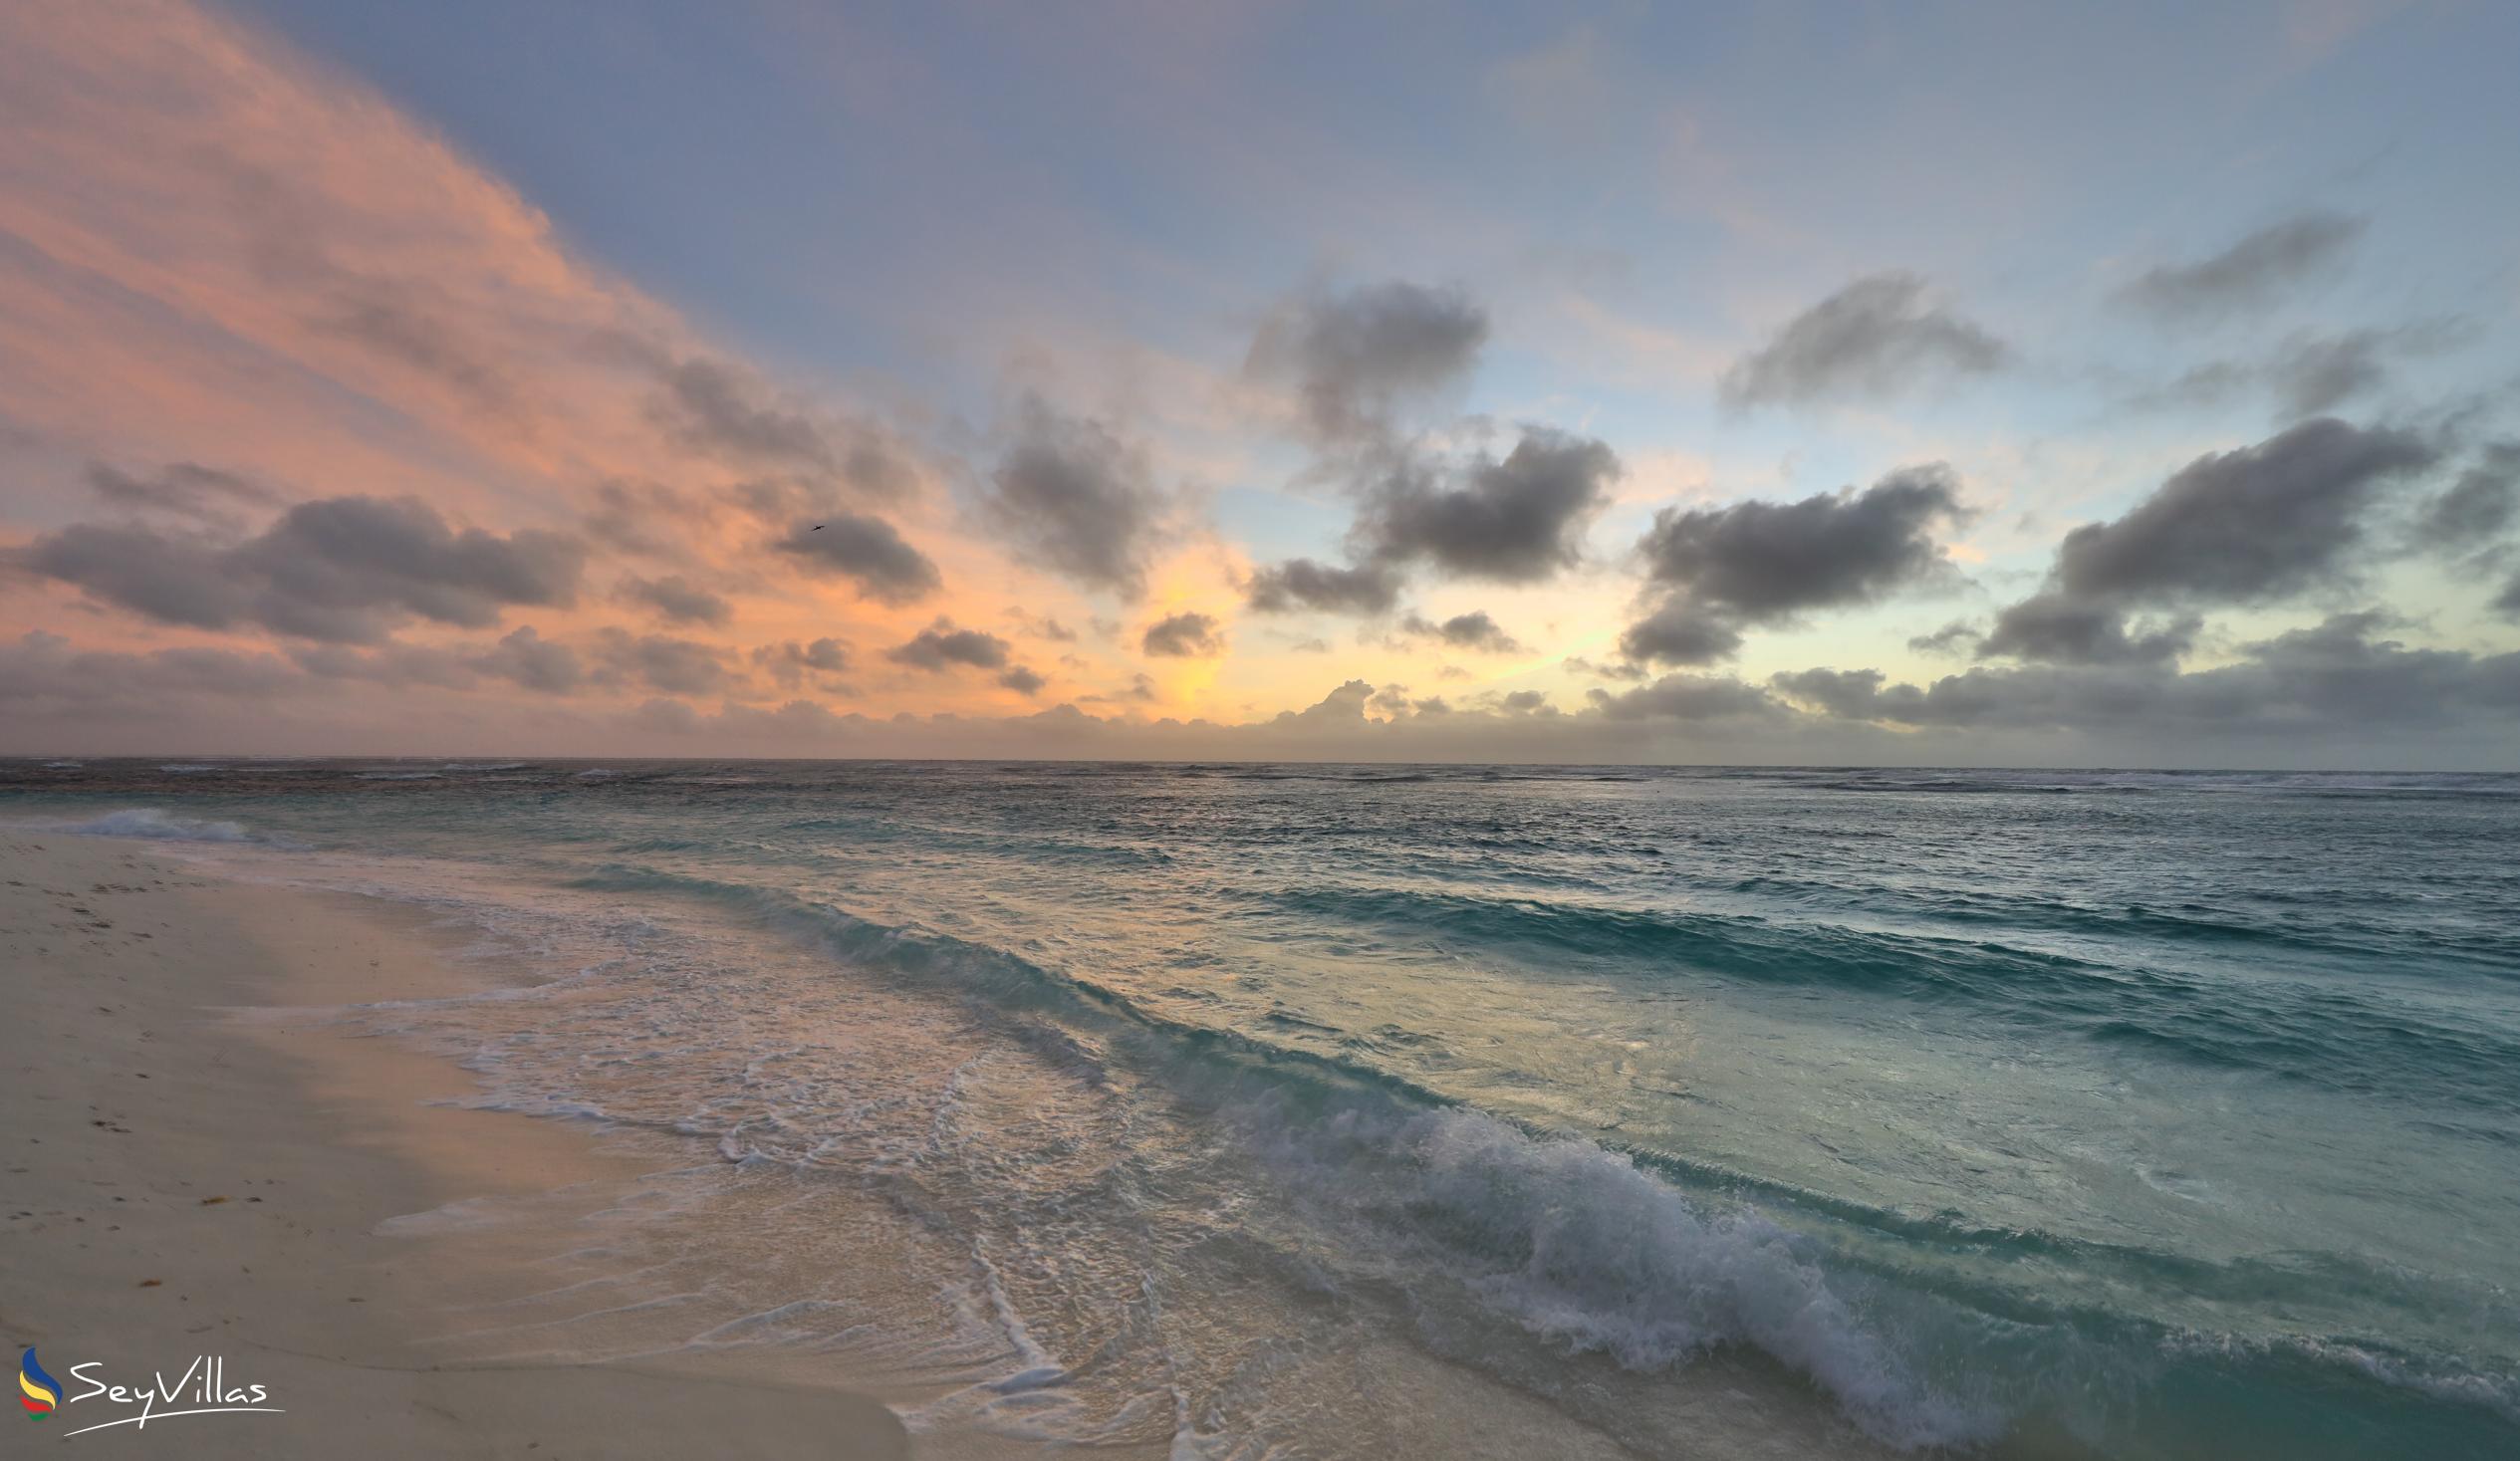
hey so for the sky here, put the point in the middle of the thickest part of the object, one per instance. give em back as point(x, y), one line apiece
point(1882, 383)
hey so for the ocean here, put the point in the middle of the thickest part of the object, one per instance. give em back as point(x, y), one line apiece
point(1313, 1111)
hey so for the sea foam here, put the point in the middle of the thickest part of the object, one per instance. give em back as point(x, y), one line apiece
point(149, 821)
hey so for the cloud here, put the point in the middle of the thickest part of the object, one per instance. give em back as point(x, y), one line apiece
point(1947, 639)
point(674, 666)
point(2507, 603)
point(1688, 697)
point(2306, 372)
point(2244, 526)
point(1878, 336)
point(1184, 637)
point(1720, 570)
point(1042, 626)
point(1075, 499)
point(2334, 680)
point(1614, 670)
point(2478, 508)
point(1681, 633)
point(1516, 521)
point(1021, 681)
point(870, 552)
point(343, 568)
point(526, 658)
point(2251, 273)
point(1344, 706)
point(2321, 372)
point(941, 647)
point(1474, 630)
point(723, 410)
point(1849, 694)
point(789, 664)
point(1763, 561)
point(2067, 631)
point(1301, 583)
point(43, 675)
point(2253, 525)
point(1354, 358)
point(678, 599)
point(185, 489)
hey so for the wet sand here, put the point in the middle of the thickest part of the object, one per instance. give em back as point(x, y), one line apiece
point(192, 1173)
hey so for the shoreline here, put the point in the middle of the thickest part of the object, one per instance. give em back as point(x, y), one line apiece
point(199, 1169)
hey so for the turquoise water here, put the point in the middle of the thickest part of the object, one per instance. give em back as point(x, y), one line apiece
point(2138, 1115)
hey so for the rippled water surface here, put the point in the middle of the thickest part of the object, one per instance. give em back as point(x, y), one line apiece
point(2062, 1114)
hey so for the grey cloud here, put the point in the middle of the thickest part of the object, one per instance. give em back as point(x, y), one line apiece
point(2337, 678)
point(643, 518)
point(2507, 603)
point(2246, 525)
point(869, 551)
point(2251, 273)
point(1614, 670)
point(1688, 698)
point(1764, 561)
point(2252, 525)
point(1075, 498)
point(529, 660)
point(1185, 636)
point(1525, 702)
point(173, 579)
point(1342, 706)
point(1515, 521)
point(1354, 358)
point(387, 664)
point(343, 569)
point(790, 662)
point(1849, 694)
point(411, 321)
point(41, 674)
point(2476, 509)
point(2305, 373)
point(720, 410)
point(1042, 626)
point(2319, 373)
point(1877, 337)
point(183, 488)
point(941, 647)
point(523, 659)
point(1679, 633)
point(1301, 583)
point(676, 666)
point(711, 405)
point(1141, 689)
point(1720, 570)
point(1472, 631)
point(1947, 639)
point(1022, 680)
point(2067, 631)
point(678, 599)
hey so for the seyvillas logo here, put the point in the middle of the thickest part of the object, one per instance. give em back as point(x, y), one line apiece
point(39, 1392)
point(204, 1388)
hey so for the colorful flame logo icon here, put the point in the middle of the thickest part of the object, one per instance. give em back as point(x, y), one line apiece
point(40, 1391)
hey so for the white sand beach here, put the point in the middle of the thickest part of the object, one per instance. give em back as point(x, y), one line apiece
point(186, 1181)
